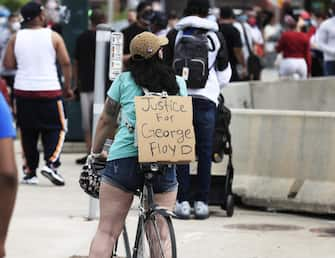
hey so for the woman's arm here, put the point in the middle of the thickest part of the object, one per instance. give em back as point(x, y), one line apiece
point(107, 124)
point(8, 187)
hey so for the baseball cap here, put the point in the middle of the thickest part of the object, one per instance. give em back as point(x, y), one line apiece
point(31, 10)
point(146, 44)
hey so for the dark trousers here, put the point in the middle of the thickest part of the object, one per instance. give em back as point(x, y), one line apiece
point(204, 112)
point(51, 141)
point(234, 75)
point(329, 68)
point(45, 118)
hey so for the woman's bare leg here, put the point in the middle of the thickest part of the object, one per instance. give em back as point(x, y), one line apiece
point(166, 200)
point(114, 207)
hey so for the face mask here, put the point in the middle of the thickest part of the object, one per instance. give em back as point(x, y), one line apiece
point(15, 26)
point(147, 16)
point(242, 18)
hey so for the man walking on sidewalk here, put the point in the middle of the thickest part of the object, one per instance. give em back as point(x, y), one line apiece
point(83, 74)
point(34, 51)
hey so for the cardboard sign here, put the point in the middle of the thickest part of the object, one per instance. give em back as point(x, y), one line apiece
point(164, 129)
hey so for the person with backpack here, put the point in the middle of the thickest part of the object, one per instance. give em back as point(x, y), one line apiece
point(121, 177)
point(198, 53)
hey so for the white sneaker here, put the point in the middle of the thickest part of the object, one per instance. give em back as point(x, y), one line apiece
point(201, 210)
point(29, 180)
point(183, 210)
point(52, 175)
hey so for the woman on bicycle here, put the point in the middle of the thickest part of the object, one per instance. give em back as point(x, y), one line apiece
point(121, 179)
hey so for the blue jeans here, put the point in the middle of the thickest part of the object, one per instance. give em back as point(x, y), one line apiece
point(329, 68)
point(125, 174)
point(204, 112)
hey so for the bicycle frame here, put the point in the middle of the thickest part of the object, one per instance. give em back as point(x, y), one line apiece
point(147, 207)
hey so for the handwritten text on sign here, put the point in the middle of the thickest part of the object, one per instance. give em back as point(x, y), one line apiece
point(164, 129)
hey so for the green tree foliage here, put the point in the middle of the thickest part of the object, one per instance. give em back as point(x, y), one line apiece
point(13, 5)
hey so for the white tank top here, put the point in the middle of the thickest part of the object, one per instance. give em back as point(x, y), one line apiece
point(36, 61)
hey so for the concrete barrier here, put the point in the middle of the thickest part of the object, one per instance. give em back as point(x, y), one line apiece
point(238, 95)
point(284, 159)
point(315, 94)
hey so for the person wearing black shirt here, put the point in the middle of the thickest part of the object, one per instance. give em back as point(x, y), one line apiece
point(233, 41)
point(83, 73)
point(144, 16)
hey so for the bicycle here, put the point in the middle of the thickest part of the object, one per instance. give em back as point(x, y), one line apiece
point(155, 236)
point(150, 242)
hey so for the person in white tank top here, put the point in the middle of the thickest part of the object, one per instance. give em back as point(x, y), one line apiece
point(35, 76)
point(34, 51)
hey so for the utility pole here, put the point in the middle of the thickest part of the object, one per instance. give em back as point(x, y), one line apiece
point(102, 39)
point(110, 10)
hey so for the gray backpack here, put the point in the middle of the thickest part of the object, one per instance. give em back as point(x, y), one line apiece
point(191, 57)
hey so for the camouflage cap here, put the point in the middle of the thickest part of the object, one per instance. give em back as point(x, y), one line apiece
point(146, 44)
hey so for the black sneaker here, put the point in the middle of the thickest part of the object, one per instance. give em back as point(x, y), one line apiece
point(81, 161)
point(52, 175)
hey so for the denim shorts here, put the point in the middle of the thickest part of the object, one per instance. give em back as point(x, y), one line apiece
point(125, 174)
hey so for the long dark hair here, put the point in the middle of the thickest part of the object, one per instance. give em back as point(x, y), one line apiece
point(154, 75)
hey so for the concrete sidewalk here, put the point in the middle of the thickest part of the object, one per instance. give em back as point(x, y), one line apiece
point(49, 222)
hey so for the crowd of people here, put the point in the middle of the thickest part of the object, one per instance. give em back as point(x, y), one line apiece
point(293, 41)
point(239, 44)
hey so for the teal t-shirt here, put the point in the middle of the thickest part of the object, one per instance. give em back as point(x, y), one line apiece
point(123, 90)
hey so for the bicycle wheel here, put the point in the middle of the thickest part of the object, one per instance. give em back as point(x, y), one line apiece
point(158, 238)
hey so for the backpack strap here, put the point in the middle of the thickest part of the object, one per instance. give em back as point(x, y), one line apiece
point(146, 92)
point(246, 39)
point(168, 52)
point(211, 47)
point(222, 59)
